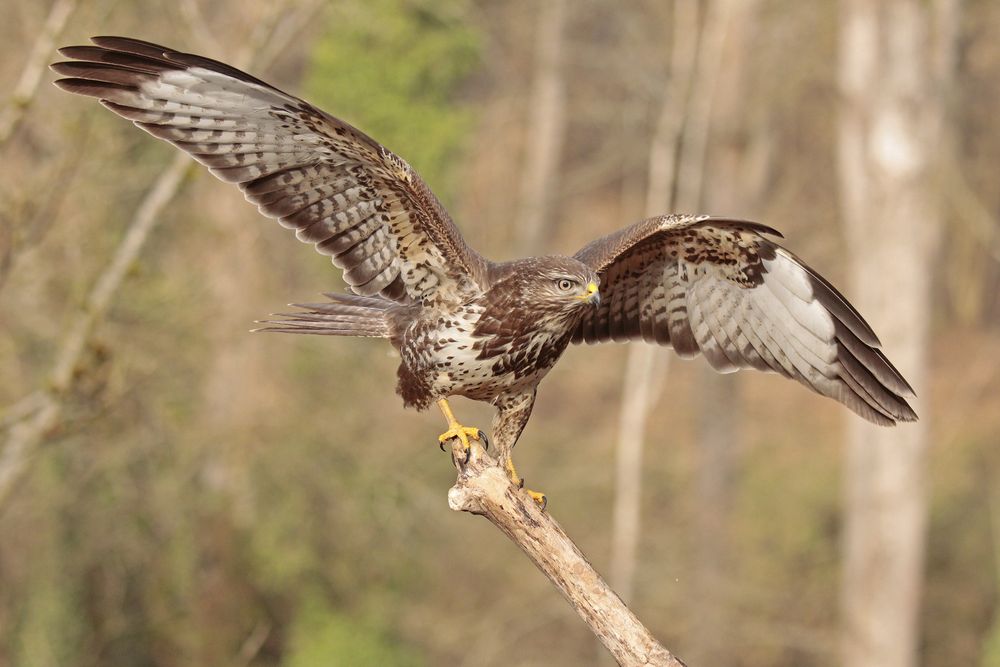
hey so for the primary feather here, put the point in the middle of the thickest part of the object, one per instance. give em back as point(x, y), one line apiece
point(721, 288)
point(335, 186)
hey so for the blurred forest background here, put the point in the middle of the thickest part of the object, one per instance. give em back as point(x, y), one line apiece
point(176, 491)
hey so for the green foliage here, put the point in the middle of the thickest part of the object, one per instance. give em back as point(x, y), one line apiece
point(991, 646)
point(392, 68)
point(321, 636)
point(48, 631)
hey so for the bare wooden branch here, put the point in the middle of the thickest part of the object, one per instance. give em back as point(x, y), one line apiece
point(27, 85)
point(483, 488)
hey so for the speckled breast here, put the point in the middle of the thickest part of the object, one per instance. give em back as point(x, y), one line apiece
point(442, 356)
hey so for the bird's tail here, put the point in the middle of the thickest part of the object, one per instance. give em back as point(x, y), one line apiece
point(343, 315)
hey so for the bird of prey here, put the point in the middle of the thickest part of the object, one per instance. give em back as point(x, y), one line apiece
point(464, 325)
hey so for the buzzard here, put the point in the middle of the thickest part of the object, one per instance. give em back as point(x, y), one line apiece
point(464, 325)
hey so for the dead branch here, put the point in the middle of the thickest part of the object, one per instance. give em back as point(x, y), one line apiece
point(25, 436)
point(483, 488)
point(27, 85)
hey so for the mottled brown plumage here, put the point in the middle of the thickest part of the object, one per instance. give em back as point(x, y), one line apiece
point(464, 325)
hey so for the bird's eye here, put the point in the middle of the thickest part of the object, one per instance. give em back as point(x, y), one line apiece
point(564, 284)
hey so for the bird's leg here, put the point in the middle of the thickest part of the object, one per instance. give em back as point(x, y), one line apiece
point(537, 496)
point(456, 430)
point(510, 419)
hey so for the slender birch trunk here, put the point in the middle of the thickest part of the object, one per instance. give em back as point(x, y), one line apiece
point(646, 369)
point(732, 187)
point(547, 127)
point(889, 128)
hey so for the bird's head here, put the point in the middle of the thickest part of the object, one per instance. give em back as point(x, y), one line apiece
point(560, 285)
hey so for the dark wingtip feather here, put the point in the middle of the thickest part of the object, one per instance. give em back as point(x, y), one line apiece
point(140, 53)
point(130, 45)
point(904, 388)
point(99, 89)
point(873, 359)
point(105, 72)
point(81, 52)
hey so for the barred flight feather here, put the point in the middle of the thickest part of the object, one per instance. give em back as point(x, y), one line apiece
point(334, 185)
point(719, 287)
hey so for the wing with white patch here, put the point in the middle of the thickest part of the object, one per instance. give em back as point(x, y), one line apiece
point(331, 183)
point(720, 288)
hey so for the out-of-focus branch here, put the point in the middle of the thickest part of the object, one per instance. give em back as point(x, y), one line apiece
point(26, 436)
point(38, 209)
point(31, 76)
point(22, 409)
point(483, 488)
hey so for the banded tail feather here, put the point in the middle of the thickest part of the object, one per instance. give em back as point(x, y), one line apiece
point(343, 315)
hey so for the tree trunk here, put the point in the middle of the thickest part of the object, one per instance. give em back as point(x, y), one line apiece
point(547, 127)
point(889, 129)
point(732, 187)
point(646, 368)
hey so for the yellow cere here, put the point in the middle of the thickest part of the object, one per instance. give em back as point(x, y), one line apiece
point(591, 289)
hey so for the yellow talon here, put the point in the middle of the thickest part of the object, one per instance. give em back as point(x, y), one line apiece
point(462, 433)
point(538, 498)
point(508, 465)
point(456, 430)
point(518, 481)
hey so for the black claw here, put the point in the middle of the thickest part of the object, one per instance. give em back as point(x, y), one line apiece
point(441, 444)
point(545, 502)
point(484, 439)
point(520, 483)
point(468, 456)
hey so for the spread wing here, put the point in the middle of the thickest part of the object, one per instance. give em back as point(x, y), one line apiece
point(331, 183)
point(719, 287)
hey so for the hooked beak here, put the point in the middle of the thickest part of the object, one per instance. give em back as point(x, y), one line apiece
point(592, 295)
